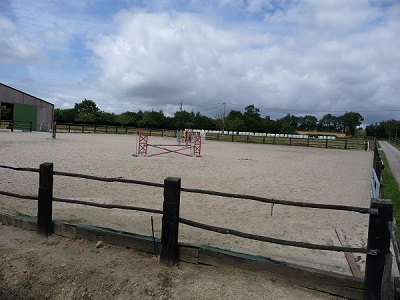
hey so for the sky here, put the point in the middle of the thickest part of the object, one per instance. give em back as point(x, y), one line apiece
point(284, 57)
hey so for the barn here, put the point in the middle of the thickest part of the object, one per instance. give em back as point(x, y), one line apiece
point(22, 111)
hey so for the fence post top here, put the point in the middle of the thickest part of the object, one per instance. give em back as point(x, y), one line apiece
point(46, 164)
point(172, 179)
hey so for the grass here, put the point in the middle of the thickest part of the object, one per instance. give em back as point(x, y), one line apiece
point(391, 189)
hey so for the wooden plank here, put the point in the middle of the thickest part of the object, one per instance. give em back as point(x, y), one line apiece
point(188, 253)
point(65, 229)
point(342, 285)
point(111, 237)
point(394, 236)
point(354, 268)
point(17, 220)
point(386, 278)
point(338, 284)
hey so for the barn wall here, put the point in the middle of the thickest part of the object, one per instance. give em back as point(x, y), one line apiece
point(43, 119)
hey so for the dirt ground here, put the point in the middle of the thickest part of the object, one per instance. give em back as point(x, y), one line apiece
point(34, 267)
point(280, 172)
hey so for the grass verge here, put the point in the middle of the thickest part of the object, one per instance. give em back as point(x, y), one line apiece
point(391, 189)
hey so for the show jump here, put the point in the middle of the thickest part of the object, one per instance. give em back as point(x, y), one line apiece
point(190, 146)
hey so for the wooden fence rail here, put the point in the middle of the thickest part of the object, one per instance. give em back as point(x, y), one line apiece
point(337, 143)
point(19, 125)
point(380, 211)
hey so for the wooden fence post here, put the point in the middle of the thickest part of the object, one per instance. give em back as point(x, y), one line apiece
point(45, 205)
point(54, 133)
point(326, 143)
point(30, 126)
point(378, 238)
point(170, 221)
point(345, 144)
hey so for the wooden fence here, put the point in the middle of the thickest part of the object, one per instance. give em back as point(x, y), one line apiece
point(394, 140)
point(377, 250)
point(16, 125)
point(394, 236)
point(338, 143)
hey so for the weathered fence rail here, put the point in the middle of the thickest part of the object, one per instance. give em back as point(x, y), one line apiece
point(338, 143)
point(380, 214)
point(17, 125)
point(309, 141)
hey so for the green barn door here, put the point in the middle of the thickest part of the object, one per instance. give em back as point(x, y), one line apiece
point(25, 113)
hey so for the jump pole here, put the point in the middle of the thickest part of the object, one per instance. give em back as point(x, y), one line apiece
point(169, 150)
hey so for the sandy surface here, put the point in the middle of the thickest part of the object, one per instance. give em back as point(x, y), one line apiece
point(281, 172)
point(32, 267)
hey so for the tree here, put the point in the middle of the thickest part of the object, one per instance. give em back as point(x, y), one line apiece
point(351, 120)
point(64, 115)
point(288, 129)
point(327, 122)
point(127, 118)
point(86, 107)
point(308, 123)
point(234, 121)
point(292, 120)
point(183, 119)
point(251, 118)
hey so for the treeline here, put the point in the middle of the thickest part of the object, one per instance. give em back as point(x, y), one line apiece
point(385, 129)
point(87, 112)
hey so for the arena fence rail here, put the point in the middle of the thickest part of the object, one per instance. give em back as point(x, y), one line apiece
point(377, 251)
point(231, 136)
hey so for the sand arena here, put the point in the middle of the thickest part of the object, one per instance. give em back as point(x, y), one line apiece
point(281, 172)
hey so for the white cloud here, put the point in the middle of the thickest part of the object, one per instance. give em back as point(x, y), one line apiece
point(304, 55)
point(14, 48)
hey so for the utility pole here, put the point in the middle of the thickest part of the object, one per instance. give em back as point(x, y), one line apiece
point(223, 119)
point(181, 106)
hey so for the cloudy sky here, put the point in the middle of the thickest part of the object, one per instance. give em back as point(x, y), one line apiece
point(299, 57)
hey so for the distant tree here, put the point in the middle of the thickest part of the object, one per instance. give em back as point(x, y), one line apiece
point(203, 122)
point(86, 107)
point(102, 117)
point(287, 128)
point(372, 130)
point(64, 115)
point(234, 121)
point(127, 118)
point(308, 123)
point(183, 119)
point(327, 122)
point(252, 118)
point(351, 120)
point(292, 120)
point(152, 119)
